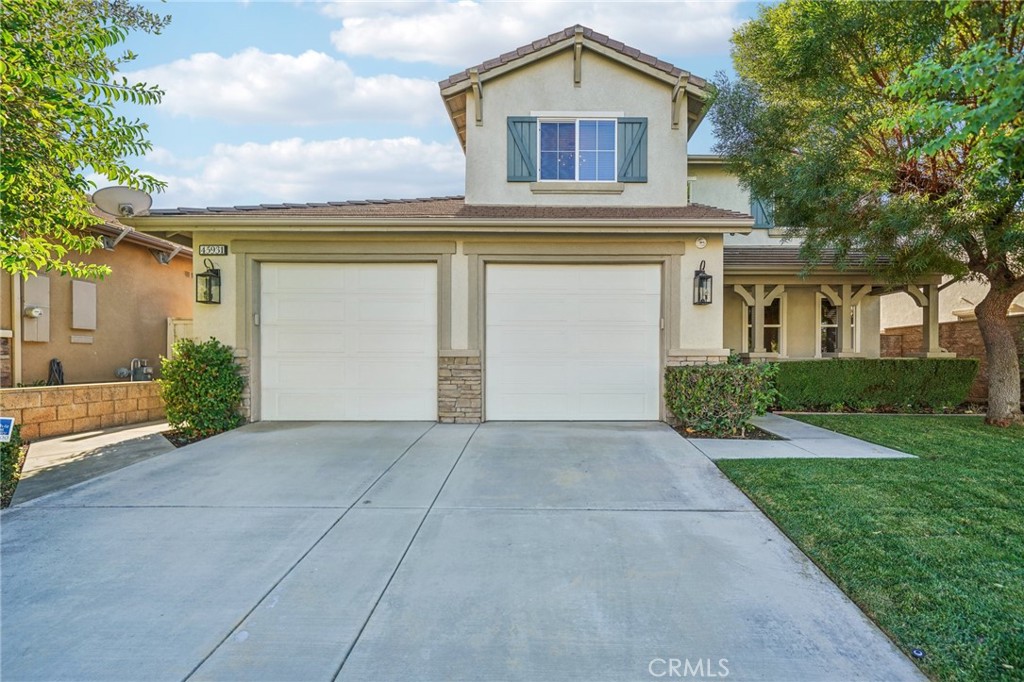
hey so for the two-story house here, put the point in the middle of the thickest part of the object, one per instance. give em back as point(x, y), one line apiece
point(589, 253)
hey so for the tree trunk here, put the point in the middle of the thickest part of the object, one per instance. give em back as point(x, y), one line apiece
point(1001, 352)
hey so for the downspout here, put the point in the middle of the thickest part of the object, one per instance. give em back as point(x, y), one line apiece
point(15, 330)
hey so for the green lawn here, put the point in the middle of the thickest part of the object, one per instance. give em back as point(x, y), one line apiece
point(932, 549)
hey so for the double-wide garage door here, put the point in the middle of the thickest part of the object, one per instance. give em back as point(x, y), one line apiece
point(348, 341)
point(358, 341)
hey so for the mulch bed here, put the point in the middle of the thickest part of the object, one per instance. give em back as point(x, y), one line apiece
point(751, 433)
point(180, 440)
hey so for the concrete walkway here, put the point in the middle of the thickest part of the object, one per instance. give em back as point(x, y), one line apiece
point(369, 551)
point(56, 463)
point(801, 441)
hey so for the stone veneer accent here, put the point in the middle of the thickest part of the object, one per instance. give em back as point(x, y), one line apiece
point(690, 360)
point(242, 360)
point(459, 399)
point(45, 411)
point(6, 363)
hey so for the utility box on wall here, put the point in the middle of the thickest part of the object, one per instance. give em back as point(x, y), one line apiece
point(35, 322)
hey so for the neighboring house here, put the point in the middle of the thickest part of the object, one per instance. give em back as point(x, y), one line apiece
point(957, 301)
point(95, 327)
point(559, 287)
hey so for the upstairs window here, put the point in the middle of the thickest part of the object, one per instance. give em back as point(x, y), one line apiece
point(581, 150)
point(577, 150)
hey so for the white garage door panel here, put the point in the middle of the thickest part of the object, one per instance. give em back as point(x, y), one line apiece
point(573, 341)
point(348, 341)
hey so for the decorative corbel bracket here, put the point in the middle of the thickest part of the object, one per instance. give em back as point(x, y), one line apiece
point(577, 58)
point(478, 95)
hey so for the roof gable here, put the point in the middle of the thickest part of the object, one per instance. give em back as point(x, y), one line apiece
point(457, 87)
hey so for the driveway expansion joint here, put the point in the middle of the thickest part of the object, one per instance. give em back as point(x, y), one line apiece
point(405, 552)
point(303, 556)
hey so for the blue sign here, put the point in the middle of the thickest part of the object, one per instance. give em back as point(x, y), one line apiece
point(6, 429)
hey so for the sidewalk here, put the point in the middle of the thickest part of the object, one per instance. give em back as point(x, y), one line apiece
point(56, 463)
point(800, 441)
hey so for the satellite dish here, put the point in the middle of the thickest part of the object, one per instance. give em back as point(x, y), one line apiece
point(122, 201)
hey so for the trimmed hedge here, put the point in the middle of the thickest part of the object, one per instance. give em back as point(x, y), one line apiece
point(875, 383)
point(719, 400)
point(202, 388)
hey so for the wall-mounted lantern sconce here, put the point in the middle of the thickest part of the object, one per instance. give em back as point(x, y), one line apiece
point(208, 284)
point(701, 286)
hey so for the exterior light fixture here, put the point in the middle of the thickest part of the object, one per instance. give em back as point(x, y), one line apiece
point(208, 284)
point(701, 286)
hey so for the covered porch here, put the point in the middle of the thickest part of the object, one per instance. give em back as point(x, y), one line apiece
point(775, 309)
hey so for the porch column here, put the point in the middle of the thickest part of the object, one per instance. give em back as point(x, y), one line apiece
point(758, 319)
point(927, 298)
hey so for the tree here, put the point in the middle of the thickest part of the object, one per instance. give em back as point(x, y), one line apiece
point(58, 94)
point(895, 129)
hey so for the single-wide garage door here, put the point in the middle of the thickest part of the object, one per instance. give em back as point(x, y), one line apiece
point(348, 341)
point(573, 341)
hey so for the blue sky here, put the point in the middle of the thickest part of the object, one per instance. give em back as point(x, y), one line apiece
point(272, 102)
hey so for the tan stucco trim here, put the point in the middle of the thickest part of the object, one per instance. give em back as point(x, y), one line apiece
point(577, 187)
point(613, 249)
point(311, 225)
point(328, 249)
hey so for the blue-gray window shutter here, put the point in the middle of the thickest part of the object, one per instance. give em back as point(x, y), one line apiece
point(763, 212)
point(632, 150)
point(522, 149)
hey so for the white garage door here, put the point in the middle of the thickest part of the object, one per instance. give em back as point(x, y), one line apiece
point(573, 341)
point(348, 341)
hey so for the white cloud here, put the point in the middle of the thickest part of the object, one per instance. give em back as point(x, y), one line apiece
point(253, 86)
point(297, 170)
point(461, 34)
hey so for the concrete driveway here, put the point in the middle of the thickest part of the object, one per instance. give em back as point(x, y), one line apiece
point(414, 551)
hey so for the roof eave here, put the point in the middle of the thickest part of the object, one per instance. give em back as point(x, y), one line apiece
point(236, 223)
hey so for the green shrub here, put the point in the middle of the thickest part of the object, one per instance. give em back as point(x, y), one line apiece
point(719, 400)
point(202, 388)
point(12, 455)
point(875, 383)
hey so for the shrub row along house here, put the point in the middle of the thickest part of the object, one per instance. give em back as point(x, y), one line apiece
point(589, 253)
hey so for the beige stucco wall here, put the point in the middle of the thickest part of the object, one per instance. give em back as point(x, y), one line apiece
point(713, 186)
point(212, 320)
point(801, 322)
point(132, 307)
point(547, 86)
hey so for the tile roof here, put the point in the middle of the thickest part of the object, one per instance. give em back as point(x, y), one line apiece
point(568, 33)
point(454, 207)
point(787, 257)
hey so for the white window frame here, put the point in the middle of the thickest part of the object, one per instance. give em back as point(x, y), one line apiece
point(821, 326)
point(781, 326)
point(575, 120)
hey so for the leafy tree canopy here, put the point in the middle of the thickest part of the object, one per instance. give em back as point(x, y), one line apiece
point(895, 129)
point(58, 91)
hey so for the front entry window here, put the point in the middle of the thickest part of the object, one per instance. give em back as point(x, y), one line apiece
point(828, 324)
point(772, 327)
